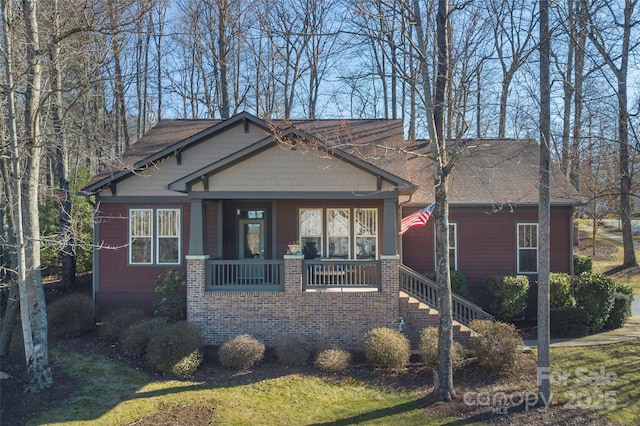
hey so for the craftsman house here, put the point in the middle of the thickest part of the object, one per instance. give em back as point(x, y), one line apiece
point(292, 227)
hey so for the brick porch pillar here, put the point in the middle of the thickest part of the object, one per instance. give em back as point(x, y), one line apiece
point(293, 274)
point(196, 286)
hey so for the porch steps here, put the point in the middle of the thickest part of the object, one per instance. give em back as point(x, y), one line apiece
point(418, 315)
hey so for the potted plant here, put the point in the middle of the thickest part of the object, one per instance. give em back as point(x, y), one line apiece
point(295, 247)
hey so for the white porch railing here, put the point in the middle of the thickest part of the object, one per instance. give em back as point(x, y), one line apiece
point(341, 273)
point(245, 275)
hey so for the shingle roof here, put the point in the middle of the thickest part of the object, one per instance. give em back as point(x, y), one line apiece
point(494, 172)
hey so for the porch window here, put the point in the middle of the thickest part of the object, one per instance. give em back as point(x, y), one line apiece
point(338, 233)
point(366, 233)
point(527, 248)
point(154, 236)
point(311, 228)
point(140, 236)
point(168, 236)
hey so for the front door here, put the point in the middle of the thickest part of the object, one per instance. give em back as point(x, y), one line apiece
point(252, 239)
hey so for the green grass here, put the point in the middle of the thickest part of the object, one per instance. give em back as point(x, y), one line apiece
point(630, 277)
point(618, 393)
point(112, 393)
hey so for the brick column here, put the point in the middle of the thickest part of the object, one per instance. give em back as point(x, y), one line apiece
point(293, 274)
point(196, 285)
point(390, 271)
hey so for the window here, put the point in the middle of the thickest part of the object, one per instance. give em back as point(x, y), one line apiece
point(342, 233)
point(338, 233)
point(366, 233)
point(311, 228)
point(165, 239)
point(168, 236)
point(527, 248)
point(453, 246)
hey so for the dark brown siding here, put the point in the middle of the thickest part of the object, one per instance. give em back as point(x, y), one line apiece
point(122, 285)
point(487, 243)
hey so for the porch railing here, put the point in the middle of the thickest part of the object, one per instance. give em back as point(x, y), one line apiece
point(340, 273)
point(245, 275)
point(426, 291)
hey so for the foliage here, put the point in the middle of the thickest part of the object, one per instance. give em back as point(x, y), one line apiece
point(595, 293)
point(620, 312)
point(560, 291)
point(495, 345)
point(136, 337)
point(387, 348)
point(429, 349)
point(508, 295)
point(114, 323)
point(173, 304)
point(81, 225)
point(458, 282)
point(582, 264)
point(292, 351)
point(241, 352)
point(70, 316)
point(333, 360)
point(570, 321)
point(175, 349)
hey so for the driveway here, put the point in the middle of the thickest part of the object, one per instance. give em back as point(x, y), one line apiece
point(615, 223)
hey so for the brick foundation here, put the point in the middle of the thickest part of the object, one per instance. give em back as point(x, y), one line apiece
point(321, 317)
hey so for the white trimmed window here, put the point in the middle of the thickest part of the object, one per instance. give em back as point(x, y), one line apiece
point(453, 246)
point(168, 236)
point(366, 233)
point(311, 228)
point(154, 241)
point(527, 248)
point(338, 233)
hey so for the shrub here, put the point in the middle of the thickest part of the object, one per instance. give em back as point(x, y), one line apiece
point(241, 352)
point(116, 322)
point(570, 321)
point(429, 349)
point(620, 312)
point(495, 344)
point(333, 360)
point(70, 316)
point(582, 264)
point(508, 295)
point(560, 294)
point(175, 349)
point(292, 351)
point(173, 304)
point(595, 293)
point(458, 282)
point(387, 348)
point(136, 337)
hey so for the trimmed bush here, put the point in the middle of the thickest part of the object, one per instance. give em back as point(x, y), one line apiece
point(458, 282)
point(333, 360)
point(70, 316)
point(620, 312)
point(570, 321)
point(582, 264)
point(136, 337)
point(175, 349)
point(292, 351)
point(429, 349)
point(560, 294)
point(241, 352)
point(595, 293)
point(173, 304)
point(508, 295)
point(116, 322)
point(387, 348)
point(495, 344)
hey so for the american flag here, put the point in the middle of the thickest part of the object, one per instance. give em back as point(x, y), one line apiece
point(418, 218)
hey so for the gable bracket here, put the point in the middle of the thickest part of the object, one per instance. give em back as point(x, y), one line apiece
point(113, 188)
point(245, 122)
point(205, 182)
point(178, 155)
point(379, 182)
